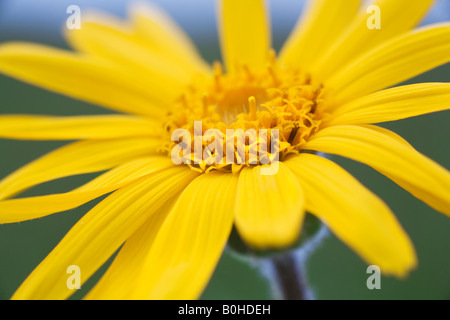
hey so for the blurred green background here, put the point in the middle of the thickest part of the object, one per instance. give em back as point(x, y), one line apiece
point(334, 271)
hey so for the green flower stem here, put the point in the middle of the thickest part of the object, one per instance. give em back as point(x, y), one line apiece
point(288, 277)
point(284, 268)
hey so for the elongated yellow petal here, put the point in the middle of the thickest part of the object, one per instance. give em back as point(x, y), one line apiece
point(386, 132)
point(269, 208)
point(427, 197)
point(393, 62)
point(23, 209)
point(422, 177)
point(76, 158)
point(101, 231)
point(190, 241)
point(80, 77)
point(354, 214)
point(74, 128)
point(119, 280)
point(320, 24)
point(396, 17)
point(394, 104)
point(165, 37)
point(244, 33)
point(128, 172)
point(115, 41)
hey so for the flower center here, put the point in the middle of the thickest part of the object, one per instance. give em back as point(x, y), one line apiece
point(260, 102)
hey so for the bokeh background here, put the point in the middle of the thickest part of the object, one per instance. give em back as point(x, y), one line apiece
point(333, 270)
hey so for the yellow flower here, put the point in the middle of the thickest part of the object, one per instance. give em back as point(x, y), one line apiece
point(323, 92)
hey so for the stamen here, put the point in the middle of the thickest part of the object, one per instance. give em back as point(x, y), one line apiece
point(293, 134)
point(272, 57)
point(273, 75)
point(218, 73)
point(184, 101)
point(275, 98)
point(314, 107)
point(205, 104)
point(247, 72)
point(252, 105)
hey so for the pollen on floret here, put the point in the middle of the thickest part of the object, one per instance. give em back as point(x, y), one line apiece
point(278, 97)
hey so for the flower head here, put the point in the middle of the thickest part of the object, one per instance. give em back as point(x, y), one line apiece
point(322, 93)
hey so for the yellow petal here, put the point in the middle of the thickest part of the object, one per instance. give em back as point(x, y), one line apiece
point(102, 36)
point(244, 33)
point(269, 208)
point(128, 172)
point(166, 37)
point(320, 24)
point(76, 158)
point(422, 177)
point(395, 61)
point(118, 281)
point(190, 241)
point(427, 197)
point(74, 128)
point(394, 104)
point(100, 233)
point(397, 17)
point(23, 209)
point(386, 132)
point(354, 214)
point(86, 78)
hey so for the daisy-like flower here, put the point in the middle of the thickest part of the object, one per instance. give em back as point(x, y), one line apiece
point(323, 92)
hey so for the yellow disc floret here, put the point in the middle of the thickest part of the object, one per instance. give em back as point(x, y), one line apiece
point(278, 98)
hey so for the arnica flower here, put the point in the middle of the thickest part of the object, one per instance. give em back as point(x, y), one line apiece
point(332, 80)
